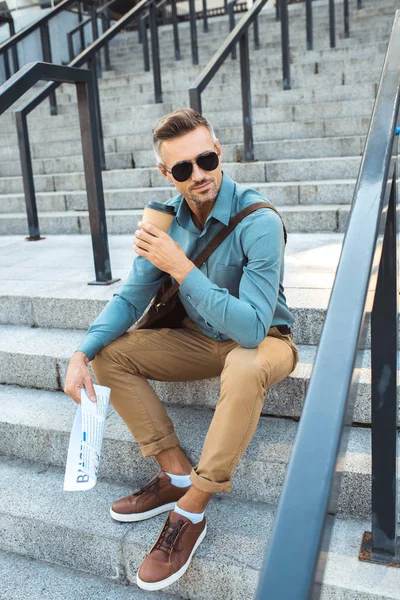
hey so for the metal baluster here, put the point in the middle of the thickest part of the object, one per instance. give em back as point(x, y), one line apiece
point(332, 33)
point(309, 25)
point(359, 4)
point(285, 44)
point(95, 35)
point(14, 49)
point(6, 65)
point(145, 42)
point(176, 32)
point(94, 185)
point(231, 26)
point(384, 392)
point(70, 46)
point(155, 52)
point(106, 23)
point(246, 96)
point(346, 18)
point(81, 30)
point(256, 34)
point(193, 32)
point(46, 50)
point(225, 7)
point(93, 66)
point(27, 176)
point(163, 14)
point(278, 10)
point(205, 20)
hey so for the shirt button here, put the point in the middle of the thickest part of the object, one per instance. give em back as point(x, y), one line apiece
point(188, 297)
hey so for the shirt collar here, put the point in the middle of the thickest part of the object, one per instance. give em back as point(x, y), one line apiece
point(221, 210)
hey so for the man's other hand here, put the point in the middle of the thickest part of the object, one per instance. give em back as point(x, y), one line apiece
point(78, 377)
point(162, 251)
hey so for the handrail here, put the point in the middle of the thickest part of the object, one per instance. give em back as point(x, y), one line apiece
point(6, 17)
point(239, 34)
point(88, 56)
point(309, 498)
point(18, 37)
point(100, 13)
point(143, 32)
point(18, 85)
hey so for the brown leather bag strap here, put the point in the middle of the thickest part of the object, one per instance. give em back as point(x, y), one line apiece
point(219, 238)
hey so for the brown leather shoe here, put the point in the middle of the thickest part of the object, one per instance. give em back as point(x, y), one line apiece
point(157, 496)
point(170, 556)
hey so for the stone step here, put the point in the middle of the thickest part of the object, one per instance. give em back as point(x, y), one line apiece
point(289, 171)
point(23, 577)
point(306, 219)
point(41, 521)
point(43, 356)
point(143, 155)
point(258, 477)
point(280, 194)
point(226, 135)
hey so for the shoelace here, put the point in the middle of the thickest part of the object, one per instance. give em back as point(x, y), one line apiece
point(153, 484)
point(169, 536)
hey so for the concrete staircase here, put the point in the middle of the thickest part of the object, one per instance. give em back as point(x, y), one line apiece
point(308, 145)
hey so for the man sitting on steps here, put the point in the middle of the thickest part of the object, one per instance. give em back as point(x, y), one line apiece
point(235, 324)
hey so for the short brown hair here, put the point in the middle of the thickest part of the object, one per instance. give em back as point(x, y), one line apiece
point(176, 124)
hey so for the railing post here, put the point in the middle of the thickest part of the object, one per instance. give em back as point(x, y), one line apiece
point(246, 96)
point(14, 49)
point(46, 50)
point(95, 35)
point(6, 65)
point(70, 46)
point(82, 29)
point(384, 366)
point(278, 10)
point(309, 25)
point(225, 7)
point(359, 4)
point(86, 96)
point(332, 33)
point(92, 66)
point(176, 32)
point(27, 176)
point(232, 25)
point(145, 42)
point(163, 15)
point(346, 18)
point(193, 32)
point(256, 35)
point(195, 99)
point(106, 24)
point(205, 21)
point(155, 52)
point(285, 44)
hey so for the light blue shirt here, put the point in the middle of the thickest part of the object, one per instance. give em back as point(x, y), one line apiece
point(236, 294)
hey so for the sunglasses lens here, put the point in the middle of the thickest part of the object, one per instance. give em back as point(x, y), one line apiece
point(208, 162)
point(182, 171)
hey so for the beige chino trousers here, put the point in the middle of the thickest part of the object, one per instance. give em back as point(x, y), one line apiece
point(187, 354)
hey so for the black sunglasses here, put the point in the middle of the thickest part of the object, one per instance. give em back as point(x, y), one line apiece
point(208, 161)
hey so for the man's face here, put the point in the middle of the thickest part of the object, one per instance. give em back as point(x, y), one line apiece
point(203, 186)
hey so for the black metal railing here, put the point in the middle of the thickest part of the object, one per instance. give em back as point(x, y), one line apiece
point(6, 17)
point(145, 22)
point(298, 549)
point(240, 34)
point(232, 8)
point(41, 25)
point(95, 15)
point(87, 57)
point(283, 16)
point(18, 85)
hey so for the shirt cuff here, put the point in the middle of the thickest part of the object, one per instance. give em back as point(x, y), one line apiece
point(88, 347)
point(195, 286)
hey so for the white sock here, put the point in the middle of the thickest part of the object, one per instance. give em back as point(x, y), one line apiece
point(194, 517)
point(180, 480)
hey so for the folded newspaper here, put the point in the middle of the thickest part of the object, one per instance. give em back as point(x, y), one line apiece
point(85, 442)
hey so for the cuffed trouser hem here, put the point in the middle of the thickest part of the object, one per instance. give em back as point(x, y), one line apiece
point(170, 441)
point(211, 487)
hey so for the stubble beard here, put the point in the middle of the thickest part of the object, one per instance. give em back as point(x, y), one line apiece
point(201, 199)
